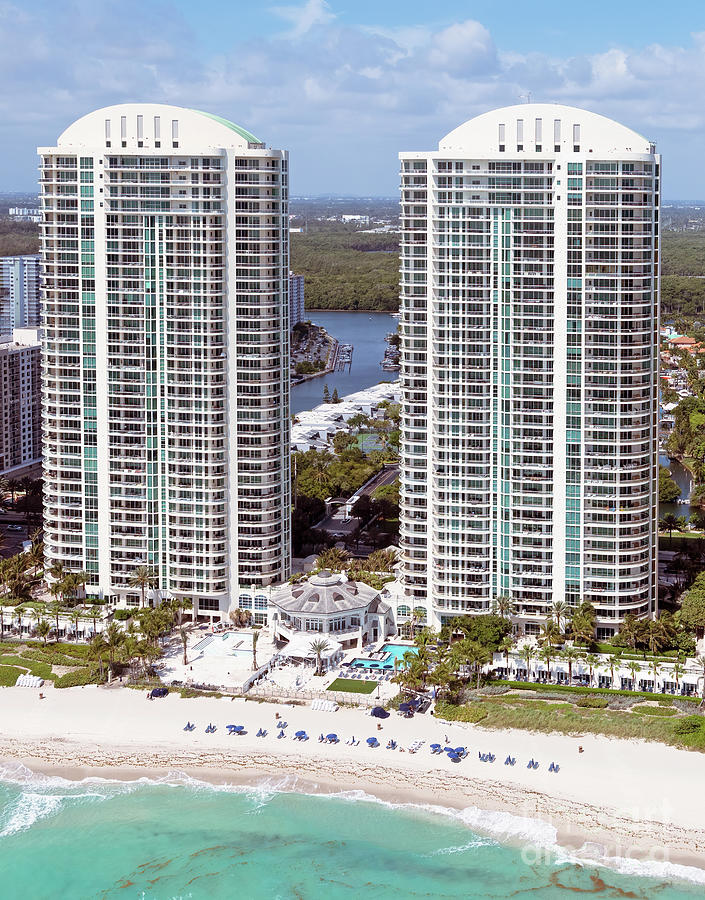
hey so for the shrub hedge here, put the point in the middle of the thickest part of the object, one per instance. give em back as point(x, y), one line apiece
point(77, 678)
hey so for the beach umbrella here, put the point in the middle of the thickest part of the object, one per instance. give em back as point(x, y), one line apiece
point(331, 737)
point(380, 712)
point(435, 746)
point(404, 707)
point(460, 750)
point(299, 733)
point(236, 728)
point(372, 741)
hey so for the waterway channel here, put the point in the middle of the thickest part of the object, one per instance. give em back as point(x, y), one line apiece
point(684, 480)
point(365, 331)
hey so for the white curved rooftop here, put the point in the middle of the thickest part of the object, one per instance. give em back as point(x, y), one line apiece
point(527, 125)
point(154, 126)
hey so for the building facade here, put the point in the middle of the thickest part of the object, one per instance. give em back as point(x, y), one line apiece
point(20, 405)
point(296, 299)
point(166, 353)
point(19, 293)
point(529, 294)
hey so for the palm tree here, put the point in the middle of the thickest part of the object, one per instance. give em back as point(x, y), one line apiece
point(678, 667)
point(550, 633)
point(43, 629)
point(559, 611)
point(614, 663)
point(95, 612)
point(35, 556)
point(655, 669)
point(669, 523)
point(506, 646)
point(55, 610)
point(255, 638)
point(57, 571)
point(318, 648)
point(13, 486)
point(143, 578)
point(591, 661)
point(75, 616)
point(2, 622)
point(545, 654)
point(528, 654)
point(634, 669)
point(114, 638)
point(180, 605)
point(570, 656)
point(504, 606)
point(382, 560)
point(700, 661)
point(333, 559)
point(183, 634)
point(73, 582)
point(98, 648)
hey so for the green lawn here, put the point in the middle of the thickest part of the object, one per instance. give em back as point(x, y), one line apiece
point(352, 686)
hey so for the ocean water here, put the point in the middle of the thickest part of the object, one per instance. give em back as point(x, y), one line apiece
point(185, 839)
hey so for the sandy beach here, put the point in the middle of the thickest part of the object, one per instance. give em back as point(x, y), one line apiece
point(616, 799)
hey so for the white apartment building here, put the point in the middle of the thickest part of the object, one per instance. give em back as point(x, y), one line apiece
point(19, 293)
point(296, 299)
point(166, 355)
point(529, 295)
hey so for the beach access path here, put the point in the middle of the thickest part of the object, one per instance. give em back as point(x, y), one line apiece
point(633, 798)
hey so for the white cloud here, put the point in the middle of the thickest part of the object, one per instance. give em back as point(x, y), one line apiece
point(345, 100)
point(304, 18)
point(463, 49)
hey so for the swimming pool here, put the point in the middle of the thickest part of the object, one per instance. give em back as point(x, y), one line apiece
point(229, 644)
point(393, 651)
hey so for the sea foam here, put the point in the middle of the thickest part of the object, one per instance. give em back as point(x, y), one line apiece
point(43, 795)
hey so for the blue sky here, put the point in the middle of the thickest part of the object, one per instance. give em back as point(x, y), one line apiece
point(345, 85)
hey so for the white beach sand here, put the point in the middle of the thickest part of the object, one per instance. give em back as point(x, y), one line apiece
point(632, 798)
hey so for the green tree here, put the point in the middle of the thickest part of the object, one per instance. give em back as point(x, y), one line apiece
point(668, 490)
point(528, 654)
point(144, 578)
point(318, 648)
point(334, 398)
point(570, 656)
point(669, 523)
point(255, 638)
point(550, 633)
point(506, 646)
point(559, 611)
point(504, 606)
point(43, 629)
point(333, 559)
point(700, 661)
point(634, 669)
point(114, 638)
point(326, 394)
point(591, 661)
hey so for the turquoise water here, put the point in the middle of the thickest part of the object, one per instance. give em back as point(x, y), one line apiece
point(398, 650)
point(157, 842)
point(394, 651)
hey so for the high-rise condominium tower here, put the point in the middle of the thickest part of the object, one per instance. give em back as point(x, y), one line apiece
point(530, 247)
point(19, 293)
point(166, 398)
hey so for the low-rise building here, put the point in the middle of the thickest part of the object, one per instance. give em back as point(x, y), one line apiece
point(329, 606)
